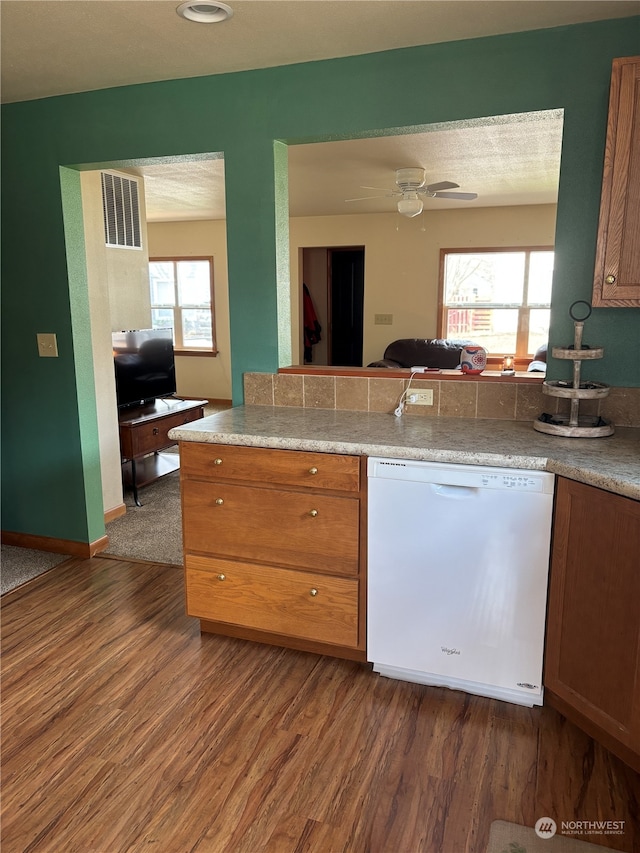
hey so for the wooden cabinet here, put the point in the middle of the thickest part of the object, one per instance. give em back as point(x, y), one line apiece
point(592, 663)
point(144, 432)
point(274, 545)
point(146, 429)
point(617, 270)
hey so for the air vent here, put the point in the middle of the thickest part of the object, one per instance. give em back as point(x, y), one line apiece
point(121, 211)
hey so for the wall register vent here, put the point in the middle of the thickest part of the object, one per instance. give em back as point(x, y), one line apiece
point(121, 211)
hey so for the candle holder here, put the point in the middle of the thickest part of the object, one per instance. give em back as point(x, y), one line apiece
point(507, 366)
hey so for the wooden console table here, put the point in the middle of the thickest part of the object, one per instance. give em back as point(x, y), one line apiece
point(143, 433)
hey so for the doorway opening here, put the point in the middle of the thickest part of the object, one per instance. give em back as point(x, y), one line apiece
point(334, 281)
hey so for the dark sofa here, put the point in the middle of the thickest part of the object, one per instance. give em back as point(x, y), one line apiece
point(422, 352)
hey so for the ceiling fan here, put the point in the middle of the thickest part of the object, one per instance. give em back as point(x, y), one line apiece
point(411, 186)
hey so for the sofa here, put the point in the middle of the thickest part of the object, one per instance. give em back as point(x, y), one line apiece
point(422, 352)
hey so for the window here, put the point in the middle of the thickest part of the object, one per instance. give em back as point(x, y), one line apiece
point(182, 299)
point(498, 298)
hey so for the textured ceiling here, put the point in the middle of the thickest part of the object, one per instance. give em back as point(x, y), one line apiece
point(506, 160)
point(52, 47)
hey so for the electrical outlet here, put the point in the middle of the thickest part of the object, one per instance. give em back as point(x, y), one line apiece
point(420, 398)
point(383, 319)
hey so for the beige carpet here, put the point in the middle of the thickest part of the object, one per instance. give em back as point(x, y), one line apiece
point(152, 531)
point(20, 565)
point(513, 838)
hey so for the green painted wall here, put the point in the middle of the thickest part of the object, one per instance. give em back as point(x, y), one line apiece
point(49, 429)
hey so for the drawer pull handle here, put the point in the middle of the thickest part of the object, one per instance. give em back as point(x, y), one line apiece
point(219, 501)
point(313, 513)
point(156, 431)
point(313, 592)
point(217, 461)
point(222, 577)
point(313, 470)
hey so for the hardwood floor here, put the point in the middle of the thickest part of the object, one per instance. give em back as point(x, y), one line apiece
point(125, 731)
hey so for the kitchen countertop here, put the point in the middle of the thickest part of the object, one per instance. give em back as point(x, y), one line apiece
point(611, 463)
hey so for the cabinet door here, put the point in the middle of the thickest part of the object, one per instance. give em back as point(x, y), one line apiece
point(593, 640)
point(296, 529)
point(617, 270)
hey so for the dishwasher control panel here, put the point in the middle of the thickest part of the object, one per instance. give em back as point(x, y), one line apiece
point(517, 481)
point(456, 474)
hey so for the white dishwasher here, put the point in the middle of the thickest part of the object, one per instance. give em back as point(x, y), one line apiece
point(458, 561)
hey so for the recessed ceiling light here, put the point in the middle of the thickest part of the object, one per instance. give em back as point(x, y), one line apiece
point(205, 11)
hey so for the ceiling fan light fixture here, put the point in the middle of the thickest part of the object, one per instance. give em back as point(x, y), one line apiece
point(205, 11)
point(410, 206)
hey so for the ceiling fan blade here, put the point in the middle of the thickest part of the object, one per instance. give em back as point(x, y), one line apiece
point(365, 197)
point(380, 189)
point(441, 185)
point(463, 196)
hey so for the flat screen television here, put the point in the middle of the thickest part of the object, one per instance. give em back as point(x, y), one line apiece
point(144, 365)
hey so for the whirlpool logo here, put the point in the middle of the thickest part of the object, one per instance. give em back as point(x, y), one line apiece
point(447, 651)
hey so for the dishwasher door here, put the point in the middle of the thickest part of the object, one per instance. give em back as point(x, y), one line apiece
point(458, 559)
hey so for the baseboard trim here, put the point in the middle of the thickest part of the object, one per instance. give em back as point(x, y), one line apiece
point(114, 512)
point(56, 546)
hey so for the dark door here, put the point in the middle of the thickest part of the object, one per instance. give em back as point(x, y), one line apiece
point(346, 299)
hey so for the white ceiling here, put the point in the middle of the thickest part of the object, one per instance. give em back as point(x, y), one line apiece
point(507, 160)
point(52, 47)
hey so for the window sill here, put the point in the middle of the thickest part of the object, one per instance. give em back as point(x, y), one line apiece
point(207, 353)
point(488, 375)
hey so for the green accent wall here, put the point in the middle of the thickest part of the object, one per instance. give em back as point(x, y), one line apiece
point(91, 495)
point(50, 468)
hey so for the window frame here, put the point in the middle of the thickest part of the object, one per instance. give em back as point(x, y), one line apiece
point(521, 356)
point(179, 346)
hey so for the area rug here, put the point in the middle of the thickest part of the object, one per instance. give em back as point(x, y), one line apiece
point(20, 565)
point(507, 837)
point(152, 531)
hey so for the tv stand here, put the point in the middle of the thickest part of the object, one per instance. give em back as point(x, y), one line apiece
point(143, 434)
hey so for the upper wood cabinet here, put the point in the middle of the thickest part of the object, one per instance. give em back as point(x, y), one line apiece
point(617, 270)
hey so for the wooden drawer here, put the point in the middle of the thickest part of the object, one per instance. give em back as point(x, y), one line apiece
point(313, 531)
point(298, 604)
point(272, 467)
point(139, 439)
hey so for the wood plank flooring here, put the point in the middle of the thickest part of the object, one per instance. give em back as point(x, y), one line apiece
point(125, 731)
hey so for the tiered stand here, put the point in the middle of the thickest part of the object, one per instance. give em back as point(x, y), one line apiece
point(575, 425)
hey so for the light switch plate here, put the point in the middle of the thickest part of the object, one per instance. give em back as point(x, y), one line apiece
point(383, 319)
point(47, 345)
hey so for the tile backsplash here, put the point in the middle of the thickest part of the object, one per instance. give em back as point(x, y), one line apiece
point(502, 399)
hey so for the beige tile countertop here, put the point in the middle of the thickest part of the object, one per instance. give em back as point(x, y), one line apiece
point(611, 463)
